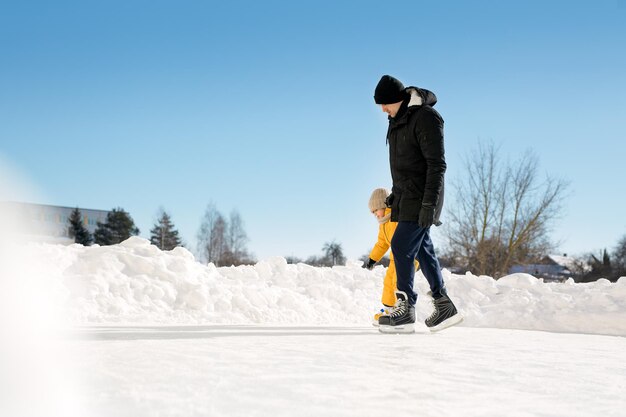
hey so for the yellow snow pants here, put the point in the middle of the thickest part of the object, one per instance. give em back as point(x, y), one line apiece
point(389, 284)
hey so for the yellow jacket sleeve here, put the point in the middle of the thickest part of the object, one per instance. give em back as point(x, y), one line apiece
point(385, 233)
point(382, 245)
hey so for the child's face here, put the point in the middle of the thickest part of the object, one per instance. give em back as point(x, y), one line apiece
point(380, 213)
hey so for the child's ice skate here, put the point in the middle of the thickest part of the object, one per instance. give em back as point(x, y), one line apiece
point(382, 312)
point(401, 319)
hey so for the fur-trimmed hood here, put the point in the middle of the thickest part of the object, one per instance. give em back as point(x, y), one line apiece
point(415, 98)
point(420, 96)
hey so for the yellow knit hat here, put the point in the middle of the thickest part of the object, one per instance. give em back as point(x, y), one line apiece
point(377, 200)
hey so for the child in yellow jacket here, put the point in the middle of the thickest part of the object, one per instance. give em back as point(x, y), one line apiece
point(386, 229)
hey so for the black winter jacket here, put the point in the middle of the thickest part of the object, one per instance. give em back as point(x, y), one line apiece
point(416, 157)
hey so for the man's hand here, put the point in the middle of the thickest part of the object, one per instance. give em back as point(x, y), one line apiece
point(389, 200)
point(427, 217)
point(369, 264)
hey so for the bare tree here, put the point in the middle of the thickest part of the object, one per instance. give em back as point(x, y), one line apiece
point(503, 214)
point(334, 253)
point(208, 241)
point(223, 242)
point(236, 239)
point(293, 259)
point(619, 258)
point(218, 241)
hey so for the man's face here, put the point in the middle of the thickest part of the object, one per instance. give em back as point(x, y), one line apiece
point(391, 109)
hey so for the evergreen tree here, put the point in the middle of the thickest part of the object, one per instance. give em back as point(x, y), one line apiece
point(118, 227)
point(599, 268)
point(77, 229)
point(606, 263)
point(163, 235)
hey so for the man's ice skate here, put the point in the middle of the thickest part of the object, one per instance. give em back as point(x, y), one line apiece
point(444, 316)
point(401, 319)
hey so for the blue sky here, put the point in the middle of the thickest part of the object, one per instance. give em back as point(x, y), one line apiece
point(266, 107)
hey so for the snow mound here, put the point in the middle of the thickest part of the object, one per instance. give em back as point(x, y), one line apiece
point(135, 282)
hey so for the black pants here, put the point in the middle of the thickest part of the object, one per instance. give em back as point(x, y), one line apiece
point(411, 242)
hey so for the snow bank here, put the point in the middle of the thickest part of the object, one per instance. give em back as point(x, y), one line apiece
point(135, 282)
point(35, 372)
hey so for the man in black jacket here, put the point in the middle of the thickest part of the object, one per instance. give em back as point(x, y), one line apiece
point(417, 161)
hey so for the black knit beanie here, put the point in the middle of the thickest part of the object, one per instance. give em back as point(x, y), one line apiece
point(389, 90)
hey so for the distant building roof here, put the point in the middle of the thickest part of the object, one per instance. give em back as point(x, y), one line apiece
point(48, 221)
point(563, 260)
point(552, 267)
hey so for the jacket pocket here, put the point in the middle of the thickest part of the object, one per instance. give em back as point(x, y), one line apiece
point(416, 189)
point(410, 208)
point(410, 188)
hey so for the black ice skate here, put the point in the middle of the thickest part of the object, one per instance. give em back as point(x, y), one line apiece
point(401, 319)
point(444, 316)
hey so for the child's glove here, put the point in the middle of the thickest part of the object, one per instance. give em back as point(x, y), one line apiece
point(369, 264)
point(389, 200)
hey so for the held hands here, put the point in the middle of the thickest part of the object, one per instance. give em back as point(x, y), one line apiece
point(427, 217)
point(389, 200)
point(369, 264)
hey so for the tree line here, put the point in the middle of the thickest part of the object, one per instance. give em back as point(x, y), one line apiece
point(332, 254)
point(221, 240)
point(609, 265)
point(119, 226)
point(502, 215)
